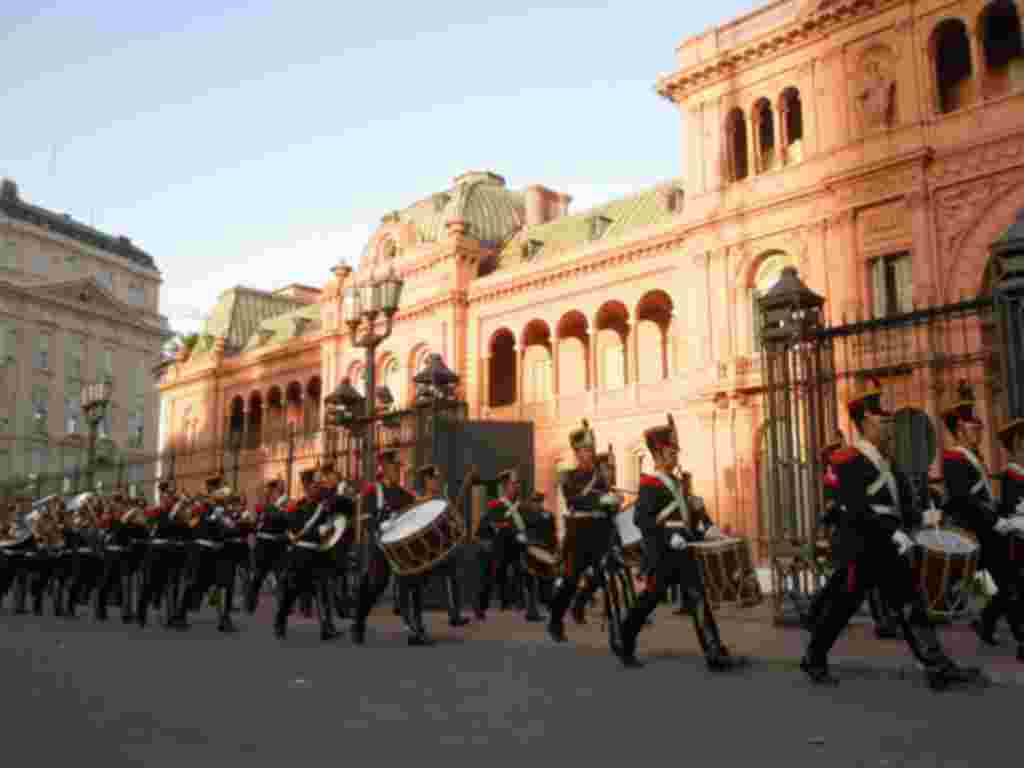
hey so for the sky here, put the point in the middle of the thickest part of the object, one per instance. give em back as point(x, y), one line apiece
point(259, 143)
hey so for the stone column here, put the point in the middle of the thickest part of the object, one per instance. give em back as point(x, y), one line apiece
point(924, 256)
point(592, 382)
point(485, 383)
point(632, 352)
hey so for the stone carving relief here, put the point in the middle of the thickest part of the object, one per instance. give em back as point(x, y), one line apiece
point(957, 209)
point(876, 87)
point(992, 157)
point(880, 187)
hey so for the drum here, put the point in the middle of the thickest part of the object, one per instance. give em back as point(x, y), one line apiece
point(541, 562)
point(729, 576)
point(422, 537)
point(944, 566)
point(631, 537)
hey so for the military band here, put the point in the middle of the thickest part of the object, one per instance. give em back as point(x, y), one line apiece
point(186, 552)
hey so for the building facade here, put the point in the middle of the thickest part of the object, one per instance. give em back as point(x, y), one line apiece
point(876, 146)
point(76, 306)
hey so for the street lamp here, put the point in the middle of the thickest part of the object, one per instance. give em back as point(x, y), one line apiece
point(95, 400)
point(341, 409)
point(361, 308)
point(436, 381)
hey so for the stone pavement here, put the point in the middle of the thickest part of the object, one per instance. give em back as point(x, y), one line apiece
point(499, 692)
point(747, 631)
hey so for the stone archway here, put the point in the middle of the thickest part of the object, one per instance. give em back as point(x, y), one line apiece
point(970, 218)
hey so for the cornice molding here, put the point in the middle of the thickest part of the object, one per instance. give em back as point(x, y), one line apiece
point(803, 30)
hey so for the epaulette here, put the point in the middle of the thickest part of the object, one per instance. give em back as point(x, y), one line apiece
point(651, 481)
point(844, 455)
point(494, 504)
point(293, 507)
point(259, 509)
point(948, 455)
point(369, 488)
point(1015, 474)
point(831, 480)
point(152, 513)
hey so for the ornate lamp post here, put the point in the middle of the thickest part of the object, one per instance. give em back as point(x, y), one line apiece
point(1008, 261)
point(362, 307)
point(95, 400)
point(799, 410)
point(342, 408)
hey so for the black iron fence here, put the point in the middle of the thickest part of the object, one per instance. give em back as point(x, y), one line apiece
point(920, 357)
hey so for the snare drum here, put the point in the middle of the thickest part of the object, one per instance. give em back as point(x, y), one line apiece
point(422, 537)
point(729, 576)
point(541, 562)
point(944, 566)
point(631, 537)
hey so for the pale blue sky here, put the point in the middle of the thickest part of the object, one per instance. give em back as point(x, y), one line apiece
point(260, 142)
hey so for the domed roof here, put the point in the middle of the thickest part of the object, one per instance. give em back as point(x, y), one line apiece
point(480, 198)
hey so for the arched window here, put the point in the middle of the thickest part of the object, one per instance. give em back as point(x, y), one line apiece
point(390, 377)
point(764, 122)
point(792, 123)
point(736, 145)
point(1001, 42)
point(767, 275)
point(503, 369)
point(952, 54)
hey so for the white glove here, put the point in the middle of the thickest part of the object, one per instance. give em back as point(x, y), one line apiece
point(1003, 526)
point(713, 533)
point(521, 538)
point(677, 542)
point(1017, 521)
point(932, 516)
point(901, 540)
point(387, 525)
point(1020, 507)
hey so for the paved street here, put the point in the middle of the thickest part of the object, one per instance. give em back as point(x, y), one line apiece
point(499, 692)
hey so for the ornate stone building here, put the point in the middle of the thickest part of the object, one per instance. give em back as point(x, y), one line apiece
point(76, 306)
point(876, 145)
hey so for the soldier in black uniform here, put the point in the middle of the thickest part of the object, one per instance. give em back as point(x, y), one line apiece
point(204, 552)
point(583, 490)
point(342, 509)
point(503, 535)
point(165, 558)
point(383, 501)
point(871, 547)
point(86, 560)
point(540, 532)
point(668, 528)
point(432, 482)
point(271, 541)
point(972, 505)
point(306, 565)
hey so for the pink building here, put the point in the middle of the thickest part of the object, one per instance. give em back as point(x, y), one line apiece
point(877, 146)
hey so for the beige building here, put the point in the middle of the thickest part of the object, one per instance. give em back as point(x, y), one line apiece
point(76, 306)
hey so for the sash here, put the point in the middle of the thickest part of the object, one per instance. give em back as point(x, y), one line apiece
point(982, 483)
point(678, 503)
point(885, 475)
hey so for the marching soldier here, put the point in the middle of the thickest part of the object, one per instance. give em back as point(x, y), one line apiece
point(271, 541)
point(540, 532)
point(165, 558)
point(87, 559)
point(1011, 507)
point(972, 505)
point(871, 547)
point(583, 489)
point(669, 527)
point(503, 534)
point(306, 569)
point(383, 501)
point(204, 555)
point(431, 480)
point(341, 508)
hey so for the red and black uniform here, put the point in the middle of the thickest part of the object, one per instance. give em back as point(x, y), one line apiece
point(870, 513)
point(972, 505)
point(501, 552)
point(666, 522)
point(270, 550)
point(165, 561)
point(306, 567)
point(382, 503)
point(123, 547)
point(587, 542)
point(86, 565)
point(209, 566)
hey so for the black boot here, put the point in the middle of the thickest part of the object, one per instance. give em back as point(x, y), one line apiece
point(818, 672)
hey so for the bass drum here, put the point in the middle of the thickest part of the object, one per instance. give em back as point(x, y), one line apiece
point(422, 537)
point(729, 575)
point(541, 562)
point(944, 566)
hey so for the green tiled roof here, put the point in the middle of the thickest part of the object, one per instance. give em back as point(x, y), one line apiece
point(626, 216)
point(239, 312)
point(492, 211)
point(283, 328)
